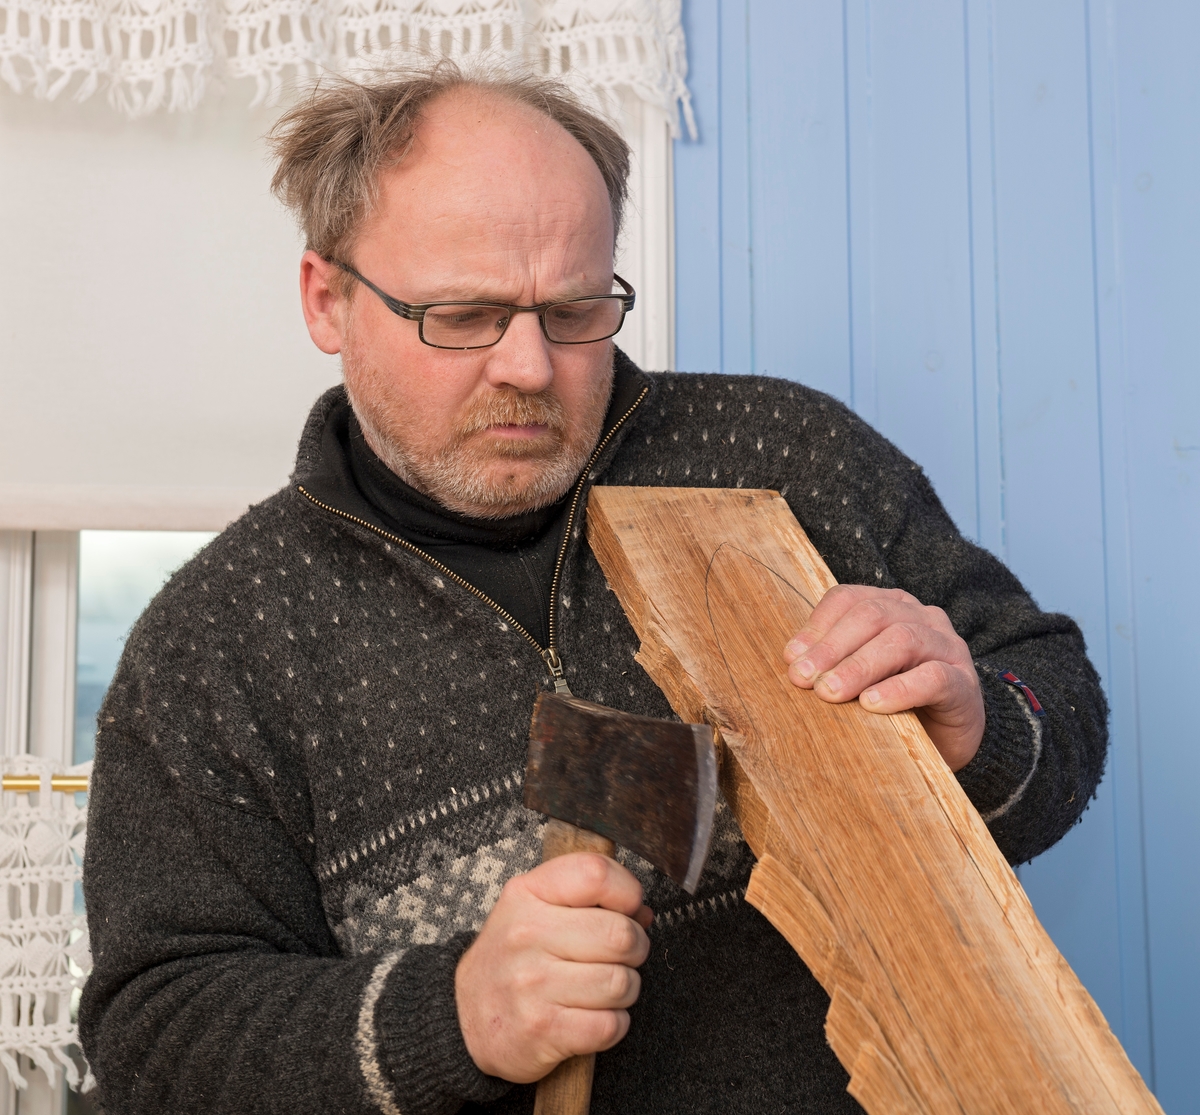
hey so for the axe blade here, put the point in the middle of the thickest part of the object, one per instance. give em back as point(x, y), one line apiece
point(649, 785)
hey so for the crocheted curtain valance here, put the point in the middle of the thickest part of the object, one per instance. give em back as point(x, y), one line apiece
point(150, 54)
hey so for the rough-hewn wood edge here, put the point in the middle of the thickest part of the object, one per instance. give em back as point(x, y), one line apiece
point(1120, 1078)
point(877, 1079)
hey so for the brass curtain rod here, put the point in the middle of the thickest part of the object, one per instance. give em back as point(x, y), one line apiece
point(59, 783)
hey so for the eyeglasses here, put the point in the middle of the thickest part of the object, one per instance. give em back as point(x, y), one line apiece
point(464, 325)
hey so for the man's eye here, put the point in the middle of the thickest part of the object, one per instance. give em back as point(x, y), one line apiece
point(462, 317)
point(572, 316)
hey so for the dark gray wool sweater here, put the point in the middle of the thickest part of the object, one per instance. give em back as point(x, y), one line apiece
point(307, 790)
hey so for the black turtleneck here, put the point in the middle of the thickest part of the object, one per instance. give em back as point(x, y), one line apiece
point(510, 560)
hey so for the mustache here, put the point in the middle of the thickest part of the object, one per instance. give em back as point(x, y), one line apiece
point(513, 408)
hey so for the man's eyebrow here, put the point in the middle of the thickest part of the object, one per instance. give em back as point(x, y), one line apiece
point(479, 292)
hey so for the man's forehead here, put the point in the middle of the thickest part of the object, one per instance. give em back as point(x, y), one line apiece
point(475, 143)
point(492, 198)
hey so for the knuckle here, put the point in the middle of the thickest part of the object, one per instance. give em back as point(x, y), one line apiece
point(944, 675)
point(938, 617)
point(516, 890)
point(539, 1021)
point(593, 870)
point(526, 980)
point(907, 636)
point(523, 935)
point(609, 1026)
point(622, 936)
point(876, 610)
point(619, 983)
point(850, 670)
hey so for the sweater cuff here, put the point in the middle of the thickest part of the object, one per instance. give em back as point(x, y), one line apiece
point(420, 1065)
point(1001, 770)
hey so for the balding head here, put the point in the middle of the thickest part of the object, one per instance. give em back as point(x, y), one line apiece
point(332, 146)
point(493, 199)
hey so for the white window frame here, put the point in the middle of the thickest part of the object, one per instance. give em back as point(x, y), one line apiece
point(39, 593)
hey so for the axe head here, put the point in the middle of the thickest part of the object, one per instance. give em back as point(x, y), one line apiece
point(649, 785)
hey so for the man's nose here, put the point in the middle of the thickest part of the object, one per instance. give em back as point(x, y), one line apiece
point(521, 358)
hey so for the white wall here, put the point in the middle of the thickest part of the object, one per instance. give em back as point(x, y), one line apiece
point(154, 366)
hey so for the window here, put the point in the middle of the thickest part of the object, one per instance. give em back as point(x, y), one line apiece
point(119, 573)
point(67, 602)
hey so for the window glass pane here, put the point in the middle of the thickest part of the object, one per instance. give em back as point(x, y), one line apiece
point(119, 572)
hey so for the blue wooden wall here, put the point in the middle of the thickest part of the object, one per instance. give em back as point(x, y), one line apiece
point(978, 222)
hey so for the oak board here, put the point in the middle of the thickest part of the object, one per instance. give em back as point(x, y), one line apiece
point(947, 995)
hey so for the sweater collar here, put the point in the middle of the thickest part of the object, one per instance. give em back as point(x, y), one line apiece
point(334, 470)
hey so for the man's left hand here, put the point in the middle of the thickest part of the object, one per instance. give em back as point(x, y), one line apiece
point(893, 653)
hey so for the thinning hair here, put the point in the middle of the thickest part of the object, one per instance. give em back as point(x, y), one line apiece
point(332, 146)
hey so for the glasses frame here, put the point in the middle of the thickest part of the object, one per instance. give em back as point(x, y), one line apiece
point(415, 311)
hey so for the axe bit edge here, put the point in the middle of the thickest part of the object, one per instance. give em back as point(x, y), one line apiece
point(646, 784)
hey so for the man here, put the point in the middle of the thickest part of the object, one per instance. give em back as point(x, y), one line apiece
point(311, 884)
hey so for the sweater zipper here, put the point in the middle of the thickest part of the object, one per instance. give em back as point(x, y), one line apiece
point(549, 655)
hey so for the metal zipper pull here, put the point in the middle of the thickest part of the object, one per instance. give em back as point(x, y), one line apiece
point(554, 665)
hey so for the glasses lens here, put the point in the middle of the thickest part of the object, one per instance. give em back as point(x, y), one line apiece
point(576, 323)
point(465, 326)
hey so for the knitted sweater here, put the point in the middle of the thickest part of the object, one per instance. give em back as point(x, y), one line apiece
point(307, 789)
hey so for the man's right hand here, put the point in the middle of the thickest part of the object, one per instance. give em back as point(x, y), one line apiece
point(553, 970)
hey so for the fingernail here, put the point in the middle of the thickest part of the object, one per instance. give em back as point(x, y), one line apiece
point(794, 649)
point(871, 696)
point(832, 682)
point(805, 669)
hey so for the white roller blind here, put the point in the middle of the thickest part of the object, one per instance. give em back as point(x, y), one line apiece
point(155, 370)
point(156, 367)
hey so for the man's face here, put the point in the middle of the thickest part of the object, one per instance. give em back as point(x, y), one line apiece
point(494, 202)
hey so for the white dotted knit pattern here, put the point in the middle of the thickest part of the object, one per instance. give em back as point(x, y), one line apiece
point(477, 795)
point(690, 911)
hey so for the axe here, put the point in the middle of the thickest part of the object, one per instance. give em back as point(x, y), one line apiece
point(606, 777)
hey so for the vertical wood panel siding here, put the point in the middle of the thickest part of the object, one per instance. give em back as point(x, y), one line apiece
point(978, 224)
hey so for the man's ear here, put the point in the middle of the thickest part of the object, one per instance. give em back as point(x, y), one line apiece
point(323, 304)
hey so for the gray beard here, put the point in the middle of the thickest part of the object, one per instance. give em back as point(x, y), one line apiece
point(454, 478)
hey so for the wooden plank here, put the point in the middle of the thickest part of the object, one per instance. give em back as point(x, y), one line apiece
point(947, 994)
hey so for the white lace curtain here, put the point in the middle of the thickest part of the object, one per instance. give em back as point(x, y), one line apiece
point(149, 54)
point(44, 957)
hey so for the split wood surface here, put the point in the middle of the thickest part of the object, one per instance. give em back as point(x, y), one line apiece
point(567, 1090)
point(947, 994)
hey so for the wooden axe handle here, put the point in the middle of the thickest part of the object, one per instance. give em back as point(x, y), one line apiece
point(567, 1090)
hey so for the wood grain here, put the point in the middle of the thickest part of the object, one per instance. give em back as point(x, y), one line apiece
point(567, 1089)
point(561, 839)
point(946, 993)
